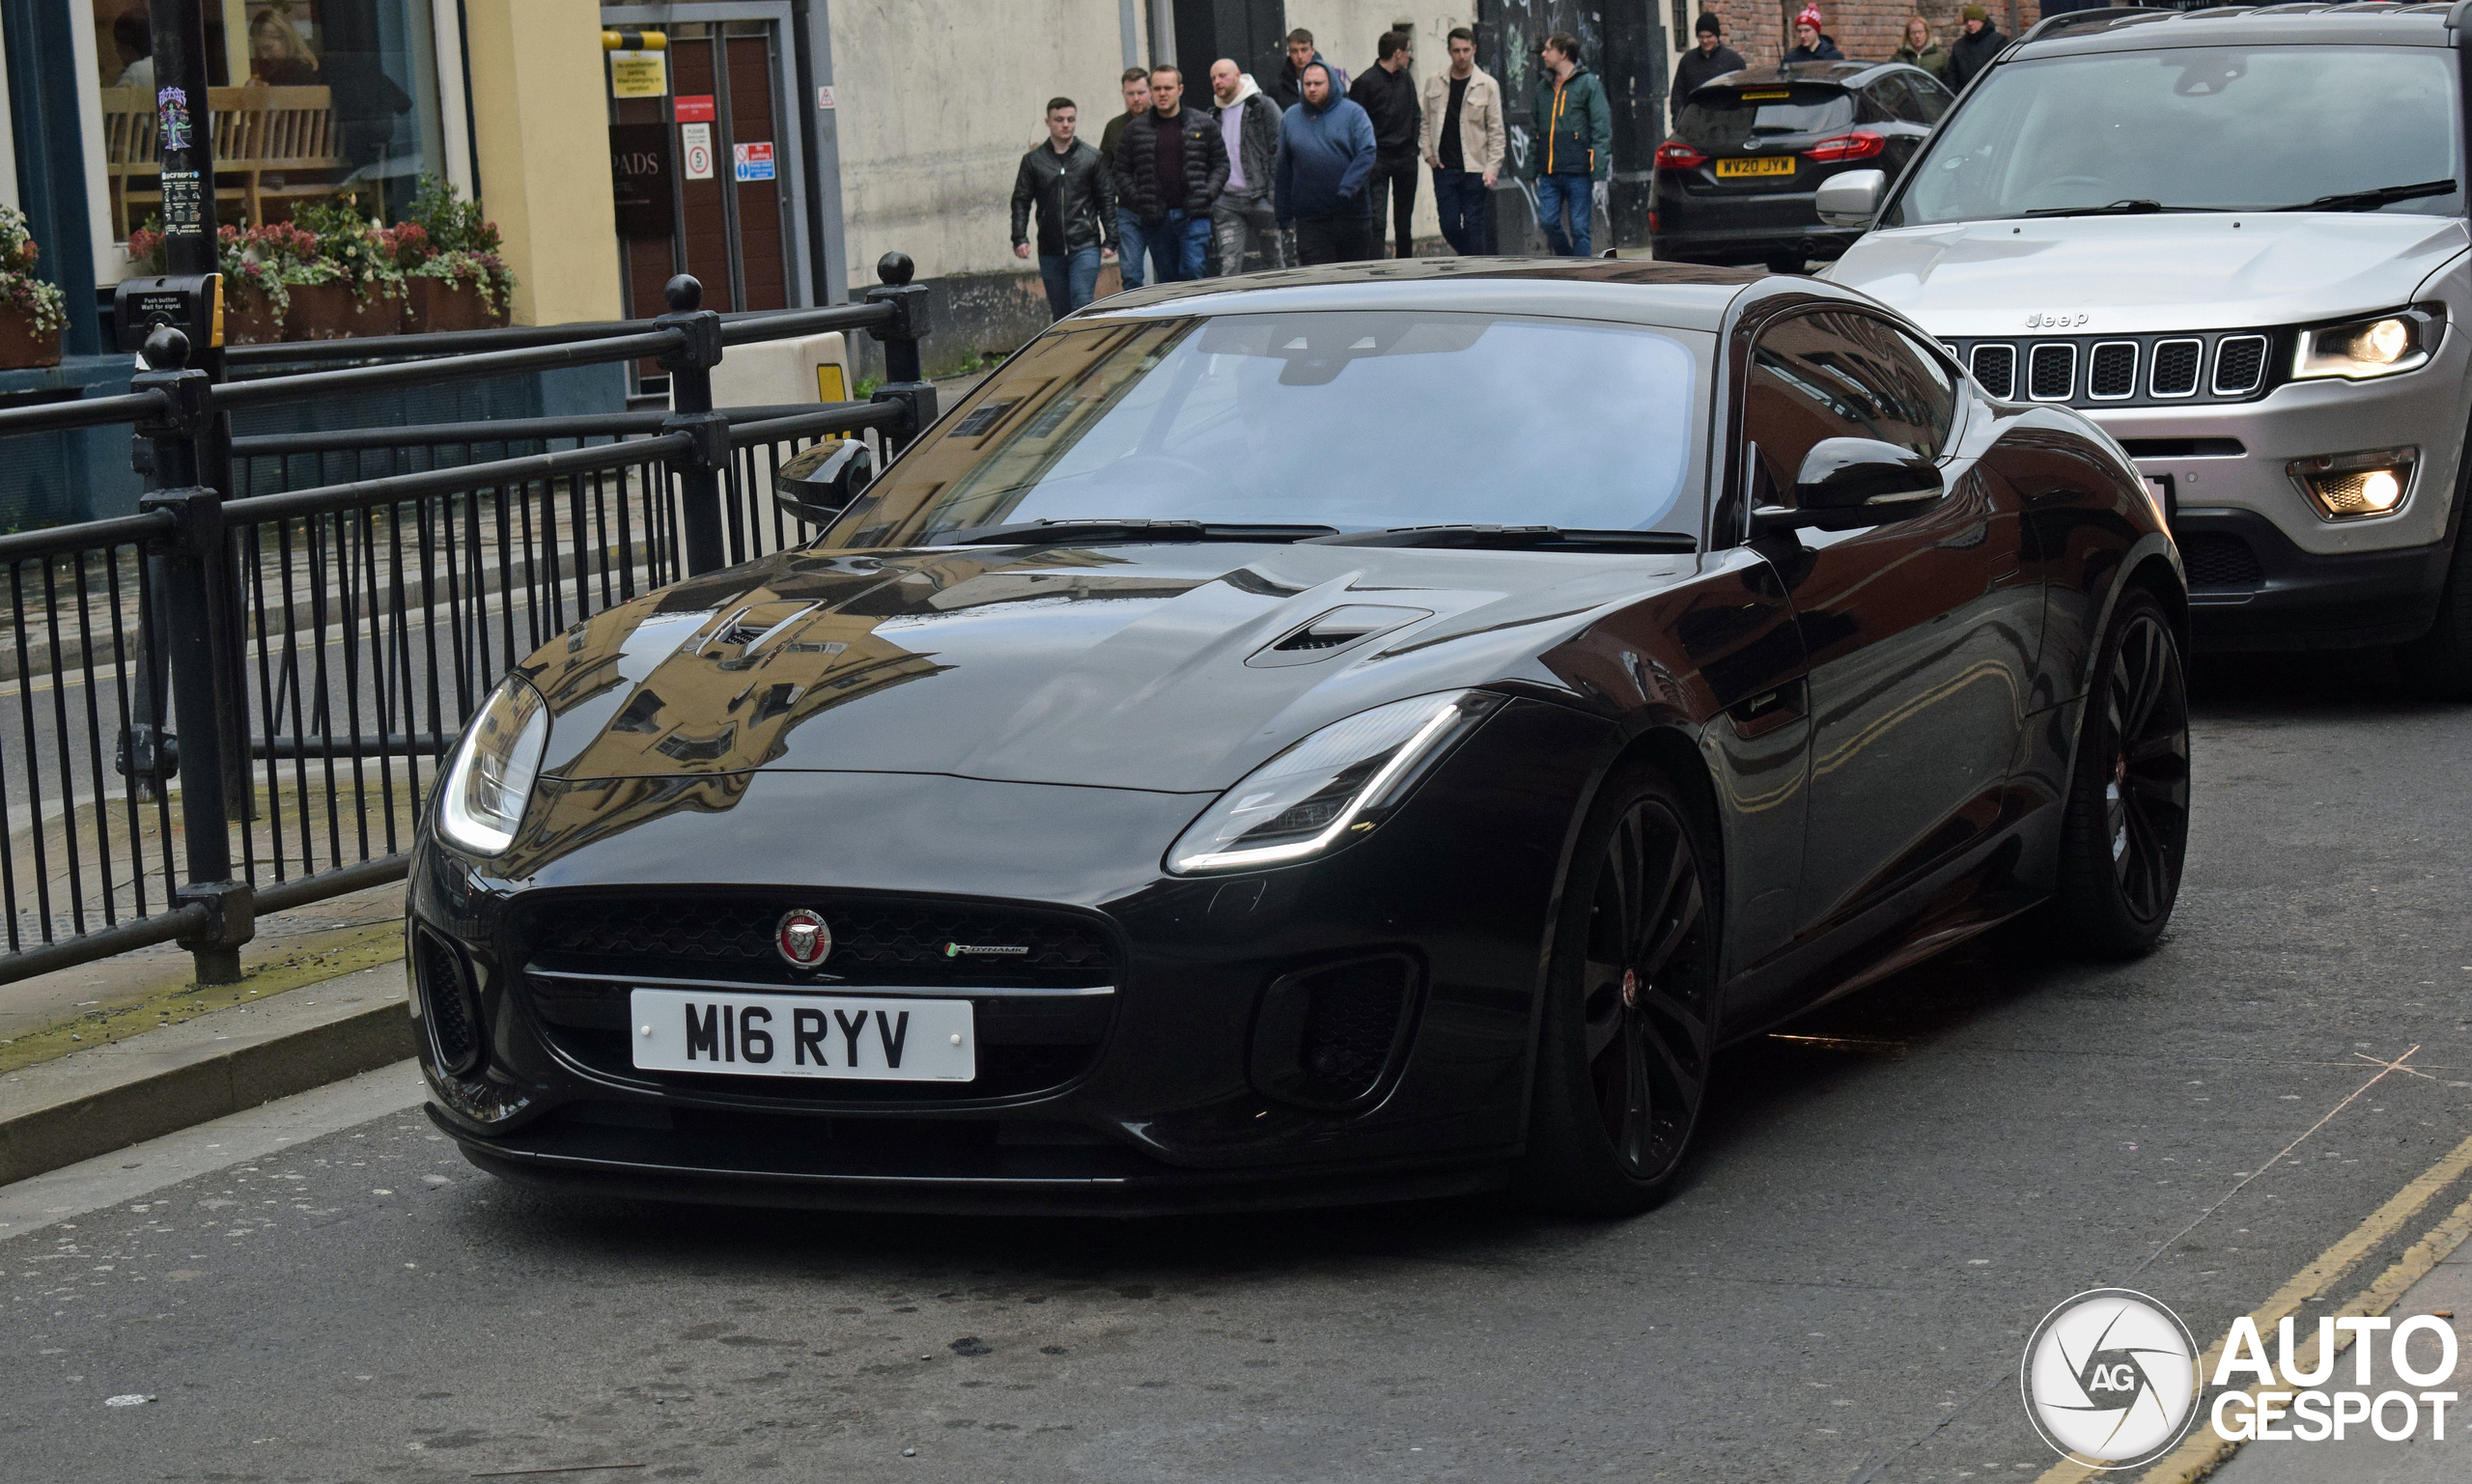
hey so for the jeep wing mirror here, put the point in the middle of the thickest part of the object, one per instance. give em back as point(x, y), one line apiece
point(1851, 199)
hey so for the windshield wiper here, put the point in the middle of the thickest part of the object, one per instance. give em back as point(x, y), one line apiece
point(1039, 533)
point(2372, 200)
point(2131, 207)
point(1514, 538)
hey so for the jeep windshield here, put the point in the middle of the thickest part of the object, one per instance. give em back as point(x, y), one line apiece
point(2198, 129)
point(1299, 423)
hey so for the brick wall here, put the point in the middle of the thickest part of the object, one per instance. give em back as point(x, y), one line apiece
point(1865, 30)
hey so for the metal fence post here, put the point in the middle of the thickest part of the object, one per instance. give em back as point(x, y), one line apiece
point(691, 412)
point(904, 381)
point(194, 559)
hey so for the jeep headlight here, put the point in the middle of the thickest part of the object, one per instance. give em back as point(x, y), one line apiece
point(1330, 788)
point(490, 775)
point(2382, 346)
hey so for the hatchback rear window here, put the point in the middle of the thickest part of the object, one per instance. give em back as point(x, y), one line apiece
point(1715, 118)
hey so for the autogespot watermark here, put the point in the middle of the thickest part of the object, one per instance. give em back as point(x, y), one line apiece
point(2110, 1379)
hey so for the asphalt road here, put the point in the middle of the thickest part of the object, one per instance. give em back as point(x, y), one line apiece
point(1888, 1199)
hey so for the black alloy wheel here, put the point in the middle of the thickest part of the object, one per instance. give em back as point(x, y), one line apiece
point(2127, 830)
point(1627, 1034)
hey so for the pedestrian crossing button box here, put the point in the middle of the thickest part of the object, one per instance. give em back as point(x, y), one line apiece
point(191, 303)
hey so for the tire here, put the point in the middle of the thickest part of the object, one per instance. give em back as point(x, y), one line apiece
point(2126, 836)
point(2438, 664)
point(1624, 1042)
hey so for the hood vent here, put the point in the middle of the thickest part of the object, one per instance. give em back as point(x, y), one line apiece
point(1339, 630)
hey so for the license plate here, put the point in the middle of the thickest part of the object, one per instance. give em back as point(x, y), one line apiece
point(1736, 169)
point(868, 1039)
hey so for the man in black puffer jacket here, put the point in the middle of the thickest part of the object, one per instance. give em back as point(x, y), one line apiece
point(1170, 165)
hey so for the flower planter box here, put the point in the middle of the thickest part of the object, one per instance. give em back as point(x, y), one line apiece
point(318, 312)
point(20, 347)
point(378, 314)
point(435, 304)
point(255, 324)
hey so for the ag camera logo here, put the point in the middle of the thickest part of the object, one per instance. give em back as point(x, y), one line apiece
point(2111, 1379)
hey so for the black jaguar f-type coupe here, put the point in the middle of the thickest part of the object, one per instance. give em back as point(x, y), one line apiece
point(1320, 736)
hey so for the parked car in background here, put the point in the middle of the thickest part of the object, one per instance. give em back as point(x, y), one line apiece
point(2268, 330)
point(1736, 184)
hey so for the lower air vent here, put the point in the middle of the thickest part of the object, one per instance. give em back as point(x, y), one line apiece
point(2221, 563)
point(2240, 364)
point(2112, 373)
point(2051, 372)
point(1996, 368)
point(2175, 368)
point(448, 1006)
point(1326, 1038)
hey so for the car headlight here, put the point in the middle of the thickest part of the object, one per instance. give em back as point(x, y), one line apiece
point(1332, 787)
point(2379, 346)
point(488, 779)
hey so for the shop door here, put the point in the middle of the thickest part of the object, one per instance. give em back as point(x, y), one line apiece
point(730, 168)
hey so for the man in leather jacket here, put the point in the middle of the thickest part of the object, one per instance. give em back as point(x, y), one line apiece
point(1065, 180)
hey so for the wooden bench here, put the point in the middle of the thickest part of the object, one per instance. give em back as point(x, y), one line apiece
point(264, 139)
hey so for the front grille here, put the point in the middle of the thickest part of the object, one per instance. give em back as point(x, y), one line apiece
point(2111, 374)
point(2051, 372)
point(1996, 368)
point(2175, 366)
point(2240, 364)
point(876, 940)
point(2217, 561)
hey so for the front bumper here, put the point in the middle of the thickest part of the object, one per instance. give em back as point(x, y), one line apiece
point(1176, 1104)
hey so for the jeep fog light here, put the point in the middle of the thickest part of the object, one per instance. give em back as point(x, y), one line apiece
point(2346, 486)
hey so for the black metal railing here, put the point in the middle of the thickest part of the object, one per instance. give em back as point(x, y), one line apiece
point(238, 700)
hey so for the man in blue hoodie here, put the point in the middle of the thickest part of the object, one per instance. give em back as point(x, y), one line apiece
point(1325, 157)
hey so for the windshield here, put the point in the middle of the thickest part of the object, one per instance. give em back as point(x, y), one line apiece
point(2194, 128)
point(1716, 118)
point(1358, 421)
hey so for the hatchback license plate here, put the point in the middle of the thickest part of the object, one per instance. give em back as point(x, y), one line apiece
point(1775, 164)
point(867, 1038)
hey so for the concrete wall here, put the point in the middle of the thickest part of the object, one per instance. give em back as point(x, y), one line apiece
point(539, 114)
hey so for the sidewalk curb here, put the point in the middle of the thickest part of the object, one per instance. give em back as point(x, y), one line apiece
point(145, 1092)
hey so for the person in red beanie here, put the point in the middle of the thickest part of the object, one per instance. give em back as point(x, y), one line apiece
point(1809, 43)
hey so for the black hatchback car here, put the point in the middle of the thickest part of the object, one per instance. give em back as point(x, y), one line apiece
point(1736, 184)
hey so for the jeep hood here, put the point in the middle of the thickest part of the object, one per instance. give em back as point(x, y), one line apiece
point(1154, 667)
point(2137, 274)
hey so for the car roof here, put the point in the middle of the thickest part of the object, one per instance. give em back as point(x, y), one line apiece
point(1677, 296)
point(1847, 74)
point(2357, 24)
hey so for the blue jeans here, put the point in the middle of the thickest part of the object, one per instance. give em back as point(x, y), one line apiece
point(1130, 240)
point(1072, 278)
point(1459, 199)
point(1178, 246)
point(1557, 193)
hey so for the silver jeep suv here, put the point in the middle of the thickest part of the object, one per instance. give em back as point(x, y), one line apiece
point(2237, 239)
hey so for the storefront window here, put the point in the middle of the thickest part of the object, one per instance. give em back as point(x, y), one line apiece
point(312, 99)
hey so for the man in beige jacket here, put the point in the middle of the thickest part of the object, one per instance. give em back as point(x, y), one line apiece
point(1463, 141)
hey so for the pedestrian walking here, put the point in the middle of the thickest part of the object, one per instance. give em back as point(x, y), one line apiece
point(1463, 139)
point(1134, 84)
point(1170, 166)
point(1922, 49)
point(1708, 58)
point(1287, 87)
point(1811, 42)
point(1387, 95)
point(1248, 130)
point(1068, 184)
point(1974, 50)
point(1325, 156)
point(1577, 148)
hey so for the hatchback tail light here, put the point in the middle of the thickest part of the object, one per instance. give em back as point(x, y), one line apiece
point(1674, 155)
point(1857, 145)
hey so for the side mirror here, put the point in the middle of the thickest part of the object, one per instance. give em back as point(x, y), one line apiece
point(1849, 483)
point(819, 483)
point(1851, 199)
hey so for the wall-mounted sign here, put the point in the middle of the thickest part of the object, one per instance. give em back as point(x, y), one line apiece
point(639, 175)
point(824, 99)
point(637, 74)
point(692, 108)
point(753, 161)
point(695, 151)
